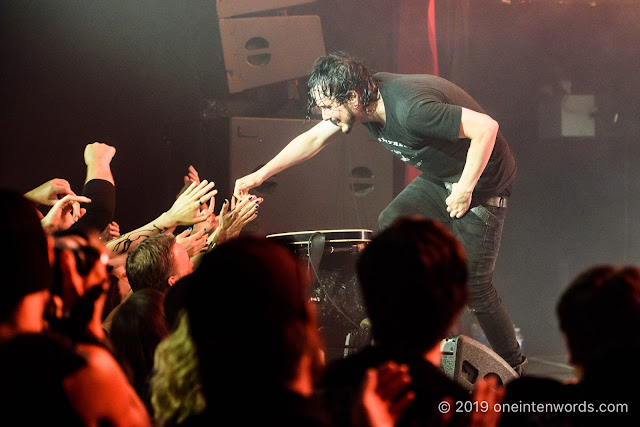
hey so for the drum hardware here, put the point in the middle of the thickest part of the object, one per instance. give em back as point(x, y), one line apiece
point(331, 257)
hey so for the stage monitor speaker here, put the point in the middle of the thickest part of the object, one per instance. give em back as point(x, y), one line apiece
point(345, 186)
point(261, 51)
point(229, 8)
point(465, 360)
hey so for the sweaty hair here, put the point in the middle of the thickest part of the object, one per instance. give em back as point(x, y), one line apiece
point(413, 277)
point(151, 263)
point(336, 75)
point(600, 311)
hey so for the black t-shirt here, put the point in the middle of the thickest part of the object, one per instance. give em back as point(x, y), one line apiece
point(422, 127)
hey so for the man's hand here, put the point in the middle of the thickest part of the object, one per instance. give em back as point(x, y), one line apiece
point(63, 214)
point(194, 243)
point(186, 209)
point(458, 201)
point(50, 192)
point(246, 183)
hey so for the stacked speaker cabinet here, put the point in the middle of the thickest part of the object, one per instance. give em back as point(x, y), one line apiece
point(260, 50)
point(345, 186)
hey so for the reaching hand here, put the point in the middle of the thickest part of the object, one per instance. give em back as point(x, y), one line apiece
point(64, 213)
point(186, 209)
point(192, 176)
point(111, 232)
point(231, 222)
point(194, 243)
point(246, 183)
point(458, 201)
point(50, 192)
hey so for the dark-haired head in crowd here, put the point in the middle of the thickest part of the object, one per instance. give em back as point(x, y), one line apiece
point(26, 267)
point(255, 333)
point(413, 277)
point(254, 343)
point(50, 377)
point(137, 328)
point(598, 314)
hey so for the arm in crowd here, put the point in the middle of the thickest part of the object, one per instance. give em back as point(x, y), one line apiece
point(50, 192)
point(184, 211)
point(99, 186)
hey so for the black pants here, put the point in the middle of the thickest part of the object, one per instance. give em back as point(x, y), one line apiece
point(479, 230)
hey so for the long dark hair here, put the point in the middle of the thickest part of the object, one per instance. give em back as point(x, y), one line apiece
point(336, 75)
point(137, 328)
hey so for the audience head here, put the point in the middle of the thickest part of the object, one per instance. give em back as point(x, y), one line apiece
point(157, 262)
point(175, 386)
point(413, 277)
point(600, 311)
point(249, 312)
point(137, 328)
point(80, 284)
point(26, 265)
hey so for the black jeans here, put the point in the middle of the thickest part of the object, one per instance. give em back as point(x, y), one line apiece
point(479, 230)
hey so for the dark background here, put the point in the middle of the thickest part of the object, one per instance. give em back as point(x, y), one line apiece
point(148, 78)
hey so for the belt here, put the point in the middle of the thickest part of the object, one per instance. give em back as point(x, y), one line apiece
point(497, 201)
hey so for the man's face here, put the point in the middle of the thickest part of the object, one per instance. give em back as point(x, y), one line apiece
point(183, 265)
point(341, 115)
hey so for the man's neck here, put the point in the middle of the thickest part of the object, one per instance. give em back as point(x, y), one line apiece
point(375, 112)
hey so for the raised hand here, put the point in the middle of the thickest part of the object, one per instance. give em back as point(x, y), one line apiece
point(186, 209)
point(50, 192)
point(64, 213)
point(194, 243)
point(192, 176)
point(98, 152)
point(98, 158)
point(232, 221)
point(111, 232)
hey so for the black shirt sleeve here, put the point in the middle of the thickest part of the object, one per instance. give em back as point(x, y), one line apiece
point(100, 211)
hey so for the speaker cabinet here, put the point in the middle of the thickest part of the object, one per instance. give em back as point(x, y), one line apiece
point(229, 8)
point(465, 360)
point(345, 186)
point(261, 51)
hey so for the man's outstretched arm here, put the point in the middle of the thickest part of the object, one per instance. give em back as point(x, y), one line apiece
point(301, 148)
